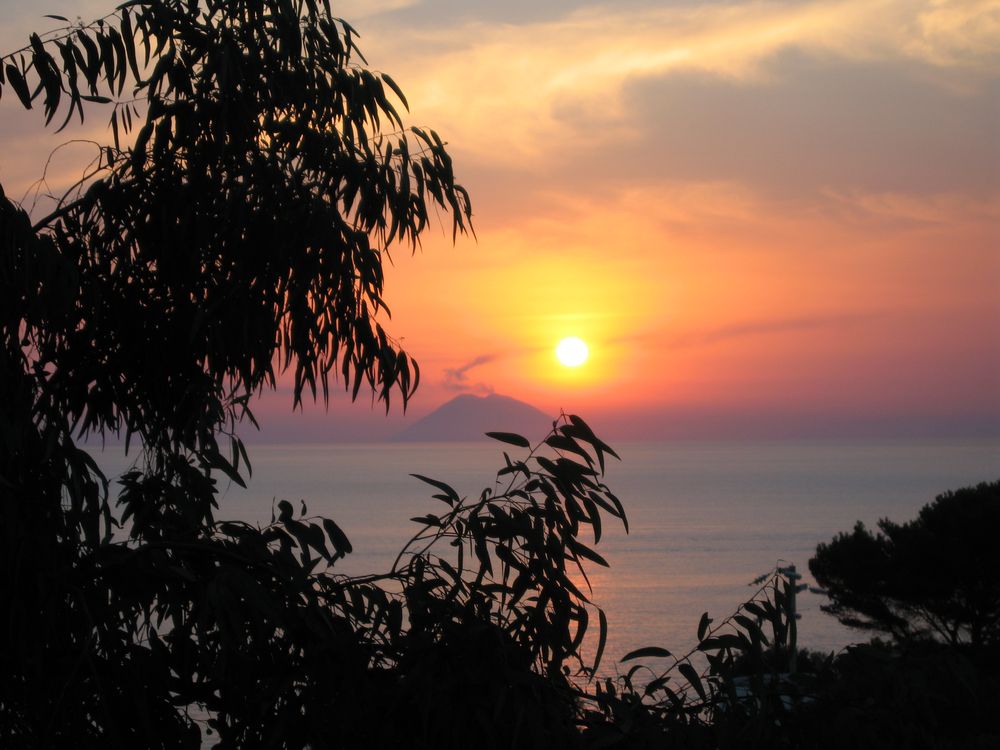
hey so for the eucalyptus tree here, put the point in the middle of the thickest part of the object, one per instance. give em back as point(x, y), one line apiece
point(233, 227)
point(236, 225)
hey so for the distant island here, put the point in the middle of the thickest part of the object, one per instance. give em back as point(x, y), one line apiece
point(469, 417)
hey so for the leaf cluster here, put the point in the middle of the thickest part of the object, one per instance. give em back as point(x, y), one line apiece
point(514, 555)
point(707, 697)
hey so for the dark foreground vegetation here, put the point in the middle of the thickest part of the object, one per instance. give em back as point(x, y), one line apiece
point(233, 230)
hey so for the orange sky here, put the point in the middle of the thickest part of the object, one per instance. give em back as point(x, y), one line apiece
point(765, 218)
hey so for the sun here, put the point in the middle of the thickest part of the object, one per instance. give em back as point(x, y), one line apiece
point(572, 352)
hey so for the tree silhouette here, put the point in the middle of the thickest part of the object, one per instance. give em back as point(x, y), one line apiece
point(234, 228)
point(937, 576)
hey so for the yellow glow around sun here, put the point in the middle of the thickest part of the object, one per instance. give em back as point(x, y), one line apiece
point(572, 352)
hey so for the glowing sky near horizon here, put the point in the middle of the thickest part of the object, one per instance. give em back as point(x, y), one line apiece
point(755, 213)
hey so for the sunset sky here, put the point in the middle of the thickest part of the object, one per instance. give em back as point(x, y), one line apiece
point(764, 218)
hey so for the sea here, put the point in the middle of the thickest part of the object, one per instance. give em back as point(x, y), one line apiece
point(705, 518)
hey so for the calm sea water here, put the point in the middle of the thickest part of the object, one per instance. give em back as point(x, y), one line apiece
point(706, 517)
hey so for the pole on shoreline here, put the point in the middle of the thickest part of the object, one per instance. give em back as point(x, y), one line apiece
point(792, 577)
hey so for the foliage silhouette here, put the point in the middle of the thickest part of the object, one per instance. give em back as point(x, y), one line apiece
point(241, 233)
point(937, 576)
point(925, 695)
point(705, 698)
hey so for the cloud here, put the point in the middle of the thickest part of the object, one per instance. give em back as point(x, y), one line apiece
point(503, 89)
point(943, 209)
point(958, 33)
point(456, 378)
point(351, 10)
point(821, 125)
point(747, 329)
point(764, 327)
